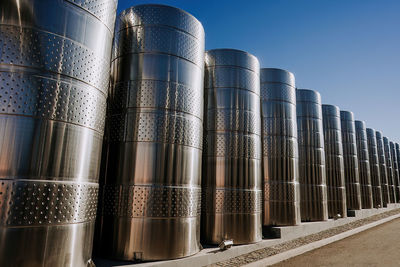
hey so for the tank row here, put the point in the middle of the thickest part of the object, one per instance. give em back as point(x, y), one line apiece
point(199, 146)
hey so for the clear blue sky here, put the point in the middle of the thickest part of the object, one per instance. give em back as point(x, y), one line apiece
point(348, 50)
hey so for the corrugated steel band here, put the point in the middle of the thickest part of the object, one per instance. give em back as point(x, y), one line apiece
point(395, 170)
point(312, 176)
point(152, 188)
point(232, 195)
point(280, 148)
point(388, 195)
point(389, 169)
point(374, 164)
point(334, 161)
point(351, 169)
point(54, 75)
point(364, 165)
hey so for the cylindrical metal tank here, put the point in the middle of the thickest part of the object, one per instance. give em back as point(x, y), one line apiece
point(398, 153)
point(395, 170)
point(231, 183)
point(312, 176)
point(364, 165)
point(280, 148)
point(389, 169)
point(351, 169)
point(334, 161)
point(151, 198)
point(397, 148)
point(386, 196)
point(54, 75)
point(373, 163)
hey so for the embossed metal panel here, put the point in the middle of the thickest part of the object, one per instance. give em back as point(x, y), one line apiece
point(334, 161)
point(389, 169)
point(312, 175)
point(231, 183)
point(54, 75)
point(365, 168)
point(395, 166)
point(152, 169)
point(388, 195)
point(280, 148)
point(373, 158)
point(350, 158)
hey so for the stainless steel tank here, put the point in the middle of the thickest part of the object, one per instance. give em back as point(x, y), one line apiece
point(395, 170)
point(231, 183)
point(388, 196)
point(372, 151)
point(151, 198)
point(54, 75)
point(280, 148)
point(351, 169)
point(334, 161)
point(364, 167)
point(397, 148)
point(397, 145)
point(312, 176)
point(389, 169)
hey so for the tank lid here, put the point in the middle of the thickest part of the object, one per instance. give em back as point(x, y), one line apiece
point(156, 14)
point(360, 124)
point(233, 58)
point(330, 110)
point(308, 95)
point(346, 115)
point(274, 75)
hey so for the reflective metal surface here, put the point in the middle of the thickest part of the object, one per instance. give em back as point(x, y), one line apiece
point(54, 74)
point(232, 196)
point(350, 158)
point(334, 161)
point(280, 149)
point(395, 170)
point(397, 148)
point(390, 173)
point(152, 179)
point(364, 165)
point(372, 151)
point(312, 176)
point(388, 196)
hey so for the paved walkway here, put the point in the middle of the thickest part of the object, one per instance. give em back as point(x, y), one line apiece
point(379, 246)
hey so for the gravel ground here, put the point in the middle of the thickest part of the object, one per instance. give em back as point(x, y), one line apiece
point(273, 250)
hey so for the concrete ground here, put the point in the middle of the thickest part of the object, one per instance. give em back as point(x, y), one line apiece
point(379, 246)
point(294, 241)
